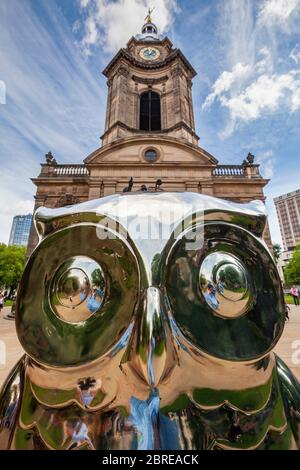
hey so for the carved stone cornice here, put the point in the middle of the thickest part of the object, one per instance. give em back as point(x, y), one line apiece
point(133, 42)
point(122, 70)
point(149, 81)
point(67, 200)
point(125, 54)
point(162, 131)
point(177, 71)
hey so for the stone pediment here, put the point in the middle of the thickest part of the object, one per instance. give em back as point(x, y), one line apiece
point(131, 151)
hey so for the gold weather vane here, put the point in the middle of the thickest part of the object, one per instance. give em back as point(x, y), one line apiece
point(148, 18)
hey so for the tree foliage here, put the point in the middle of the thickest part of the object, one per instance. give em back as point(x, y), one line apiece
point(277, 251)
point(12, 262)
point(292, 270)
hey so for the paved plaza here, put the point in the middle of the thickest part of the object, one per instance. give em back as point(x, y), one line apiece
point(284, 348)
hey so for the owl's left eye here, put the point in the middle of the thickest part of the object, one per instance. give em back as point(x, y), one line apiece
point(225, 285)
point(226, 295)
point(77, 289)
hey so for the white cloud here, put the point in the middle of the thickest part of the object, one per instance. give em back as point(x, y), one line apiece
point(2, 92)
point(76, 26)
point(256, 94)
point(257, 81)
point(91, 34)
point(53, 101)
point(84, 3)
point(236, 25)
point(267, 163)
point(111, 23)
point(295, 54)
point(277, 12)
point(20, 207)
point(264, 95)
point(265, 61)
point(226, 81)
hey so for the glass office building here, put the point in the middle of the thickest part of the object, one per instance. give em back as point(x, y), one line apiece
point(20, 230)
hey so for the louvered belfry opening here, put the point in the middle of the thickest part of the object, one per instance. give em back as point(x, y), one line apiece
point(150, 119)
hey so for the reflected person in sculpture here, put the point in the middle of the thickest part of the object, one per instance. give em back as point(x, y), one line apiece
point(151, 362)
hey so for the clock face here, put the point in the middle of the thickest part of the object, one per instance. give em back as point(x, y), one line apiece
point(149, 53)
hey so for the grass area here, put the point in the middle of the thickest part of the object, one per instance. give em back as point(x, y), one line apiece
point(289, 299)
point(7, 303)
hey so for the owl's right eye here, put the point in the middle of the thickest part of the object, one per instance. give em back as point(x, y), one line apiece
point(77, 296)
point(78, 289)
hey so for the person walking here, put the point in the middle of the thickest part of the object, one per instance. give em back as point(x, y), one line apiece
point(1, 301)
point(287, 312)
point(295, 294)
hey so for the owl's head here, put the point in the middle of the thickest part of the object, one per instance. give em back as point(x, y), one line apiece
point(132, 270)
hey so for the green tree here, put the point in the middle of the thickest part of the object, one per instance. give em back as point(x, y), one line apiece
point(277, 251)
point(292, 271)
point(12, 262)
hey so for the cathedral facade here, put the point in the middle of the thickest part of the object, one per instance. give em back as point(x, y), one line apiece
point(149, 142)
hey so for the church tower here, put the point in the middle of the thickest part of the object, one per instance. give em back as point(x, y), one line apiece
point(149, 90)
point(149, 137)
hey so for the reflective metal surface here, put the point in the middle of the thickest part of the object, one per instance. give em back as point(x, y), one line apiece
point(224, 284)
point(77, 289)
point(148, 322)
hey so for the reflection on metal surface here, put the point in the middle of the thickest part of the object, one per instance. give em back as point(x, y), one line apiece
point(77, 289)
point(141, 342)
point(224, 284)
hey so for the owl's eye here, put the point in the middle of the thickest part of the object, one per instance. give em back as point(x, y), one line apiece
point(225, 285)
point(77, 289)
point(225, 295)
point(77, 296)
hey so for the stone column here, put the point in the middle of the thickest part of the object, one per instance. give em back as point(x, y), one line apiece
point(252, 171)
point(110, 187)
point(122, 90)
point(109, 103)
point(207, 188)
point(191, 109)
point(176, 105)
point(192, 186)
point(95, 190)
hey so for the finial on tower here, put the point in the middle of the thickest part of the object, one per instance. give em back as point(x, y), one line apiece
point(149, 30)
point(148, 18)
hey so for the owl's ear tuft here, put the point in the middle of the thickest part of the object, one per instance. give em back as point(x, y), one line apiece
point(43, 218)
point(259, 221)
point(38, 221)
point(48, 220)
point(255, 224)
point(251, 216)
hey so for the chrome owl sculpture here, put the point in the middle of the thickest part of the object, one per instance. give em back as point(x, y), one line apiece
point(148, 322)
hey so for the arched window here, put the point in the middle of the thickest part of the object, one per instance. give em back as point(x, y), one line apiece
point(150, 111)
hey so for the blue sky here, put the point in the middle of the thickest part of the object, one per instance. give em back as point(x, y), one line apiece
point(246, 94)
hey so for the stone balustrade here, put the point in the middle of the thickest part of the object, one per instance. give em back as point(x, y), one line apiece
point(70, 170)
point(75, 170)
point(229, 170)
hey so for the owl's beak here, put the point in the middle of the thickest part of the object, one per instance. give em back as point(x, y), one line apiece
point(154, 352)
